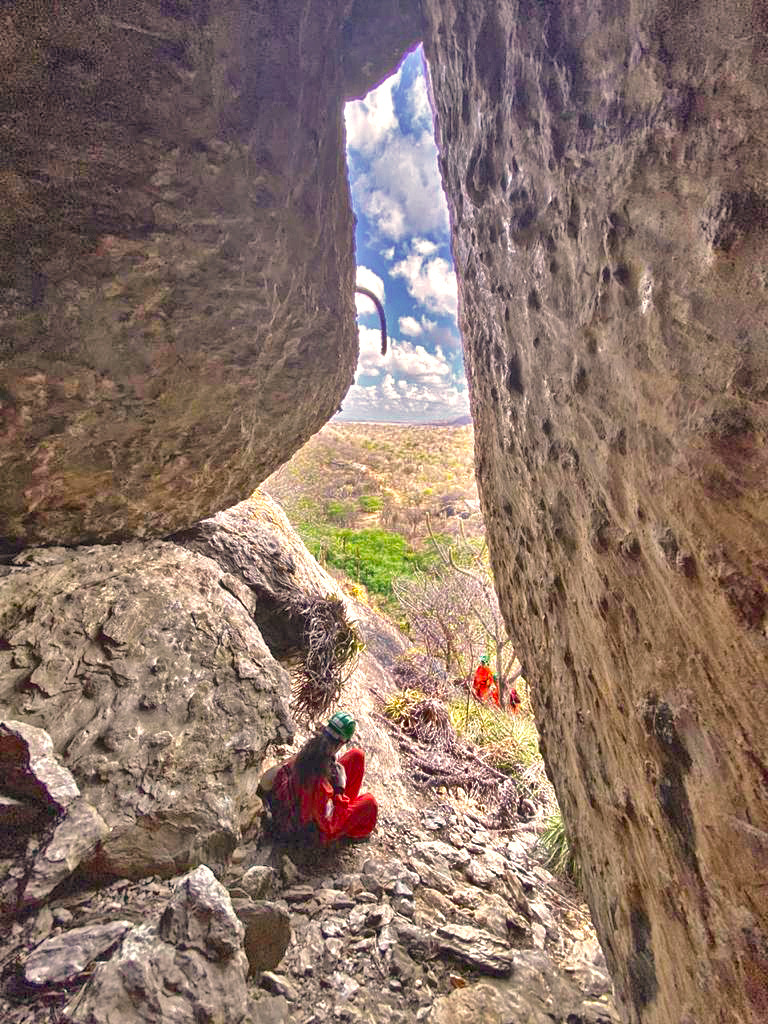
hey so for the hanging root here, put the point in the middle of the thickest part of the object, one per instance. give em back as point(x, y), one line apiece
point(380, 310)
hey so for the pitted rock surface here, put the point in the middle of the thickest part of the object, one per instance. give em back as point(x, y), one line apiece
point(605, 167)
point(156, 688)
point(176, 254)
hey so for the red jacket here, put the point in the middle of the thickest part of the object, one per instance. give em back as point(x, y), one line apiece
point(350, 813)
point(485, 685)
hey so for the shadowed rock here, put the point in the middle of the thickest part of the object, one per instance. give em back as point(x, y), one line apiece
point(74, 840)
point(176, 259)
point(157, 690)
point(189, 968)
point(605, 169)
point(30, 769)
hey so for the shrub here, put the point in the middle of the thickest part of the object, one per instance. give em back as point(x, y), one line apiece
point(370, 502)
point(510, 744)
point(558, 854)
point(337, 512)
point(400, 704)
point(424, 718)
point(372, 557)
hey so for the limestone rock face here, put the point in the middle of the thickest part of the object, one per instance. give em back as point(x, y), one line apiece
point(156, 688)
point(30, 768)
point(188, 967)
point(176, 258)
point(606, 172)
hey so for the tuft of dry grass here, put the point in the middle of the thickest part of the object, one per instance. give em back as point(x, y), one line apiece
point(331, 646)
point(424, 718)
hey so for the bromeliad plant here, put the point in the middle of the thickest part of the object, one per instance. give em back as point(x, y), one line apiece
point(559, 856)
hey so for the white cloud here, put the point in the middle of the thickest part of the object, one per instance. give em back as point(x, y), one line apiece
point(388, 254)
point(400, 189)
point(410, 326)
point(404, 402)
point(369, 121)
point(430, 281)
point(423, 246)
point(413, 328)
point(409, 384)
point(368, 279)
point(418, 102)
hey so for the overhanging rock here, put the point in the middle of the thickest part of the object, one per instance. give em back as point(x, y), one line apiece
point(176, 258)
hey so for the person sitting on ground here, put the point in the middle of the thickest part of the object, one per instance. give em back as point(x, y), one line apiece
point(484, 685)
point(318, 788)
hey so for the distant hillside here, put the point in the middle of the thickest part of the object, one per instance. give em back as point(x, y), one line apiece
point(460, 421)
point(384, 475)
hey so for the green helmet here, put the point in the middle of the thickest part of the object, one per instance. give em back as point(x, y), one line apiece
point(341, 726)
point(484, 659)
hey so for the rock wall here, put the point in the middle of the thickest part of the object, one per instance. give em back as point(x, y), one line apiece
point(606, 165)
point(148, 671)
point(176, 253)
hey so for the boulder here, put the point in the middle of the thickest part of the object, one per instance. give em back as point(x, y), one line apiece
point(60, 959)
point(177, 260)
point(267, 933)
point(188, 967)
point(605, 168)
point(157, 690)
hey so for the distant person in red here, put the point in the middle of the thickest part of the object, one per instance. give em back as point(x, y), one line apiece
point(317, 788)
point(514, 701)
point(485, 686)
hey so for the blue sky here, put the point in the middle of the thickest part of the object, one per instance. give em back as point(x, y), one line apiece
point(403, 256)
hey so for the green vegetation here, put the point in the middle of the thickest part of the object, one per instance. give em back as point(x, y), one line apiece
point(395, 509)
point(371, 557)
point(370, 502)
point(509, 742)
point(400, 705)
point(486, 726)
point(338, 512)
point(559, 857)
point(383, 474)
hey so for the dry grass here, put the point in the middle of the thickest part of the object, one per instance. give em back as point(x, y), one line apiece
point(384, 475)
point(331, 645)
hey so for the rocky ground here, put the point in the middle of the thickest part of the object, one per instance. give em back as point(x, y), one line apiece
point(205, 918)
point(433, 919)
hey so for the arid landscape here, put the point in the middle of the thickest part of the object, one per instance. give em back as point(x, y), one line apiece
point(389, 476)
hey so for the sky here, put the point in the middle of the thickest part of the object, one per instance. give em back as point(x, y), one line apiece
point(403, 256)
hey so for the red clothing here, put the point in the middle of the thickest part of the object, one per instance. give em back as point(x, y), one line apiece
point(349, 814)
point(485, 685)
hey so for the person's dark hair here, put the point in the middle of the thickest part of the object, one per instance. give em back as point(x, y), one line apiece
point(315, 759)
